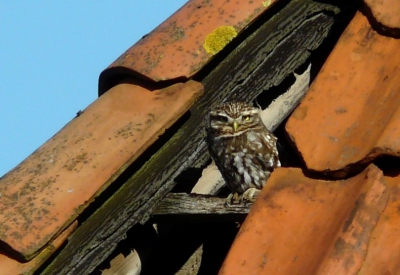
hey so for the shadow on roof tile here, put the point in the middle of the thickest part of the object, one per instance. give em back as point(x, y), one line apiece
point(47, 191)
point(187, 40)
point(10, 266)
point(300, 225)
point(351, 113)
point(385, 14)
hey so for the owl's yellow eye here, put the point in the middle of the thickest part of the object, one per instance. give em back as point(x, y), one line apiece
point(246, 118)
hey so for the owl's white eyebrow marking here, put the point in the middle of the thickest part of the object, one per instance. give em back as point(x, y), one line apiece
point(250, 112)
point(218, 114)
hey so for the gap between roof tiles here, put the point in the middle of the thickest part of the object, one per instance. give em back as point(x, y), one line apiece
point(331, 163)
point(326, 228)
point(389, 165)
point(383, 16)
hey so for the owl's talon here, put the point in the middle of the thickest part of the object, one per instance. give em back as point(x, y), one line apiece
point(233, 198)
point(250, 195)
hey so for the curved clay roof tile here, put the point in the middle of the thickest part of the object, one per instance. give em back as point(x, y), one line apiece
point(186, 41)
point(351, 113)
point(52, 186)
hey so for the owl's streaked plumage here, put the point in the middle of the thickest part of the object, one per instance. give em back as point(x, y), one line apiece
point(243, 149)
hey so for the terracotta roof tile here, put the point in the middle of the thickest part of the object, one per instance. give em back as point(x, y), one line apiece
point(187, 40)
point(10, 266)
point(52, 186)
point(386, 13)
point(383, 250)
point(300, 225)
point(350, 115)
point(352, 109)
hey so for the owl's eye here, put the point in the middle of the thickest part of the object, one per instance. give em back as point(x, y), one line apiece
point(246, 118)
point(221, 118)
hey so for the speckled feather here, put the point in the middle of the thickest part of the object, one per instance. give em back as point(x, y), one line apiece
point(245, 156)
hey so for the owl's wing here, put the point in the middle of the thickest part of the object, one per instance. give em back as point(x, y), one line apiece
point(269, 153)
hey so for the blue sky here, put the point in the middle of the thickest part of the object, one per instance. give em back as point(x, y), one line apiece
point(51, 55)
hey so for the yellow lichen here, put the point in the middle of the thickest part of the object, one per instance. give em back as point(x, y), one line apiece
point(266, 3)
point(219, 38)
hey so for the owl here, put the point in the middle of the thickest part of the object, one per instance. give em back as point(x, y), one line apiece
point(243, 149)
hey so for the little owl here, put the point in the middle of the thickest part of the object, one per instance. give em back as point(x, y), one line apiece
point(243, 149)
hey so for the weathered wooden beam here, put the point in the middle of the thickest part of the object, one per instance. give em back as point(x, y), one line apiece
point(263, 59)
point(183, 207)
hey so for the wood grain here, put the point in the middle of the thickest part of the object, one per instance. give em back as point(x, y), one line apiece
point(182, 207)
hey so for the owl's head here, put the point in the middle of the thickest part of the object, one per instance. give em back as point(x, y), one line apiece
point(233, 118)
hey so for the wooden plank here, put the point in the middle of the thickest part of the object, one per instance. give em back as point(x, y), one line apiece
point(183, 207)
point(262, 60)
point(127, 265)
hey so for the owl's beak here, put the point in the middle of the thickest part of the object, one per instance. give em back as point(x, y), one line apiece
point(235, 126)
